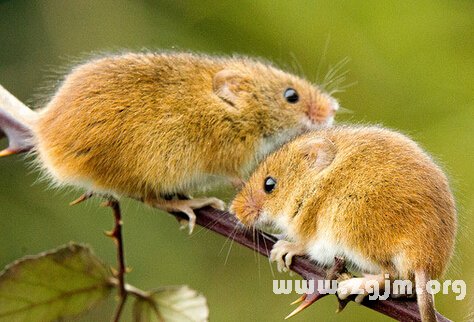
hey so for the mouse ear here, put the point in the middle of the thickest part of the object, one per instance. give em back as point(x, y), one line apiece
point(319, 151)
point(227, 84)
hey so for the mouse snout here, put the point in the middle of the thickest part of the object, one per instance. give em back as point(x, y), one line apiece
point(322, 109)
point(246, 208)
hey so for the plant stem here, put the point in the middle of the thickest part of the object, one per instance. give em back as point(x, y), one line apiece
point(116, 234)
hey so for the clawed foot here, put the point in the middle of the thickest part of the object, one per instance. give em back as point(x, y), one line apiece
point(282, 253)
point(361, 286)
point(403, 292)
point(185, 206)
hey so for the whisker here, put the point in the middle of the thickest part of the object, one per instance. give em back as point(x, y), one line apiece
point(341, 89)
point(255, 253)
point(322, 58)
point(333, 71)
point(234, 233)
point(337, 80)
point(227, 240)
point(343, 110)
point(269, 262)
point(258, 255)
point(297, 64)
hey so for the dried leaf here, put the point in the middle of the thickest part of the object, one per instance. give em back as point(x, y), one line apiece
point(48, 286)
point(172, 304)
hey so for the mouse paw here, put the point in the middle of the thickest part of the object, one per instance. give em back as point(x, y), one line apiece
point(360, 286)
point(185, 206)
point(214, 203)
point(403, 292)
point(352, 286)
point(282, 253)
point(190, 222)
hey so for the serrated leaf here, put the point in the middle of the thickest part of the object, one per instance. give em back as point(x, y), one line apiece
point(172, 304)
point(45, 287)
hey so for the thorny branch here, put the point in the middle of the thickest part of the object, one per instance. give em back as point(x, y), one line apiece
point(116, 234)
point(225, 224)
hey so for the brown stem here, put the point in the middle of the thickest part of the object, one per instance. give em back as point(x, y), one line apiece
point(116, 234)
point(225, 224)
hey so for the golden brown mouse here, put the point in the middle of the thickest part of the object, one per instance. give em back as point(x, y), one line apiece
point(367, 194)
point(154, 125)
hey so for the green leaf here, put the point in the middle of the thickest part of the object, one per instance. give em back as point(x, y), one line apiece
point(171, 304)
point(45, 287)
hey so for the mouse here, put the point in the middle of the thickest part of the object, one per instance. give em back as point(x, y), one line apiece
point(156, 126)
point(367, 194)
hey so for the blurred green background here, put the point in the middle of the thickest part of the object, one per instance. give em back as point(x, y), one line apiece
point(413, 68)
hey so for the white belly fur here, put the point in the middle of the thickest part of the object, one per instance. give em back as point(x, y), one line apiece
point(324, 249)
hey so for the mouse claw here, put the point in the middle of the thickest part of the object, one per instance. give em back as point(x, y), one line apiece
point(283, 252)
point(341, 305)
point(189, 224)
point(305, 300)
point(340, 273)
point(186, 206)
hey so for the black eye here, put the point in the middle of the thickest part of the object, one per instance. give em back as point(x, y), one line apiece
point(291, 95)
point(269, 184)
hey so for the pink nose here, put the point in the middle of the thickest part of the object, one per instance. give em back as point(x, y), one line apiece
point(323, 109)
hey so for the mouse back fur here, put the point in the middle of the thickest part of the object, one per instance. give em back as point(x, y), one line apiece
point(140, 124)
point(369, 194)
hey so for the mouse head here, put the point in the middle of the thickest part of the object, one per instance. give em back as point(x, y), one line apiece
point(273, 194)
point(286, 101)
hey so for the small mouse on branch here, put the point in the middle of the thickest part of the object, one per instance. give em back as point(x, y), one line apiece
point(156, 126)
point(369, 195)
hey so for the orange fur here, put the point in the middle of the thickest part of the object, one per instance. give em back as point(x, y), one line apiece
point(379, 196)
point(144, 124)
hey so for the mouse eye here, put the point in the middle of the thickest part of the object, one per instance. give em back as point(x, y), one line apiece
point(291, 95)
point(269, 184)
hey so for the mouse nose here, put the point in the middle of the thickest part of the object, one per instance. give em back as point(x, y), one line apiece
point(323, 109)
point(334, 105)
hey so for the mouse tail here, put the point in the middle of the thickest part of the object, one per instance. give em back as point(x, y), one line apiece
point(16, 120)
point(425, 300)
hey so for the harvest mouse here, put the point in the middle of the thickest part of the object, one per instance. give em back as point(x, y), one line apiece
point(153, 126)
point(366, 194)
